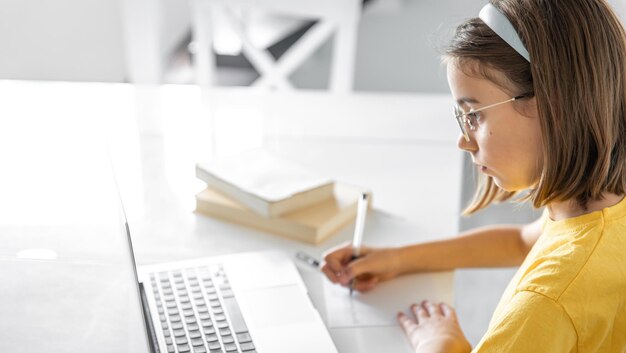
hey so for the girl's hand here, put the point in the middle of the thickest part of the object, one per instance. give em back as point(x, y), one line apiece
point(434, 328)
point(374, 265)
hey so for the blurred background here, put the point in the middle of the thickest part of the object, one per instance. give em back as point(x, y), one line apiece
point(397, 44)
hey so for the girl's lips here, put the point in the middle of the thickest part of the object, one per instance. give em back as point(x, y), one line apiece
point(480, 166)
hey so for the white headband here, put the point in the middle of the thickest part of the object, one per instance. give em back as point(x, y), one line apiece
point(503, 28)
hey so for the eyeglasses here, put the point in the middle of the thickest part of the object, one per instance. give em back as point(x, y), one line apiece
point(469, 121)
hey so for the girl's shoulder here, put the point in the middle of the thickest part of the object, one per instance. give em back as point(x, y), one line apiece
point(586, 257)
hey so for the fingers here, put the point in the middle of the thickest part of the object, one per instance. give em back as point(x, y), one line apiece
point(407, 324)
point(420, 312)
point(409, 327)
point(366, 283)
point(337, 258)
point(332, 275)
point(361, 268)
point(427, 309)
point(340, 268)
point(432, 308)
point(335, 261)
point(431, 321)
point(448, 311)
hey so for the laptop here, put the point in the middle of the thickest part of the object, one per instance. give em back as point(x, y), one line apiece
point(246, 303)
point(250, 302)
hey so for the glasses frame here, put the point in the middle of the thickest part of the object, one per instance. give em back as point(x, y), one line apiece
point(464, 121)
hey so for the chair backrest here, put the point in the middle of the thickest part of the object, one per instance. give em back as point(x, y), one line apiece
point(338, 17)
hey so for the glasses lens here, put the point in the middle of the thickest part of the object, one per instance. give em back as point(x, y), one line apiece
point(470, 120)
point(461, 120)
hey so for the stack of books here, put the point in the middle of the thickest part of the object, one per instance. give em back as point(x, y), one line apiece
point(265, 192)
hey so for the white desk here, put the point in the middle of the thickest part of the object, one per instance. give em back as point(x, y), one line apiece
point(411, 164)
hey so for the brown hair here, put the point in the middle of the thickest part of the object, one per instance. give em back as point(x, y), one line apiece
point(578, 76)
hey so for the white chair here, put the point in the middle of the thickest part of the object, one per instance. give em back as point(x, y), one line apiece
point(340, 17)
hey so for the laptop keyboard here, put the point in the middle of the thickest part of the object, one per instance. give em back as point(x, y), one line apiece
point(199, 313)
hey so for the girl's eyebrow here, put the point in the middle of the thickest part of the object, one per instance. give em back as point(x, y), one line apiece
point(462, 100)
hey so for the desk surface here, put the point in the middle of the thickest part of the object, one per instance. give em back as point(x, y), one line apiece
point(157, 135)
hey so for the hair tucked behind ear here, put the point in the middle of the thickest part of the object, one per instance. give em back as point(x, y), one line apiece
point(578, 75)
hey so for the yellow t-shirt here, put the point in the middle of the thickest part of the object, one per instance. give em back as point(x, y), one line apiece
point(569, 295)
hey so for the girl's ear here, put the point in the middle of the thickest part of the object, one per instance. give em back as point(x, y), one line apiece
point(528, 107)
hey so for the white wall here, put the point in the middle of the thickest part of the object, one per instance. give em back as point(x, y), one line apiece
point(74, 40)
point(397, 51)
point(620, 7)
point(83, 40)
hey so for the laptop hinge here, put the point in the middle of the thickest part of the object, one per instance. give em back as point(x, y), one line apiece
point(154, 344)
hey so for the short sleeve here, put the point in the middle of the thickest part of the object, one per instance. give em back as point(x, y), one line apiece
point(531, 322)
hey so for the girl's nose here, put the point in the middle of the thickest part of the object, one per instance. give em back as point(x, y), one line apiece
point(462, 143)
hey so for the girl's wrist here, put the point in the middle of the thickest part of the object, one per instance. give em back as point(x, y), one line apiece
point(443, 345)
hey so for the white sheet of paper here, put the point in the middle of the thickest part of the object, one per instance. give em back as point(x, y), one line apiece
point(380, 306)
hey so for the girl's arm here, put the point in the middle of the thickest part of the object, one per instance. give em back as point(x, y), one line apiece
point(483, 247)
point(495, 246)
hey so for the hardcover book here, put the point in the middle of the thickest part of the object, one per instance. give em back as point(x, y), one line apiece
point(266, 184)
point(313, 224)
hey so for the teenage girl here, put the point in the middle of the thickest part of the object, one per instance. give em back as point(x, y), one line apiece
point(540, 90)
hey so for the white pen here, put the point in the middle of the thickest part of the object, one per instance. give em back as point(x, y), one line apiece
point(358, 232)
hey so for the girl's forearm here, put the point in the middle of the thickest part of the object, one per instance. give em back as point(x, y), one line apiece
point(483, 247)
